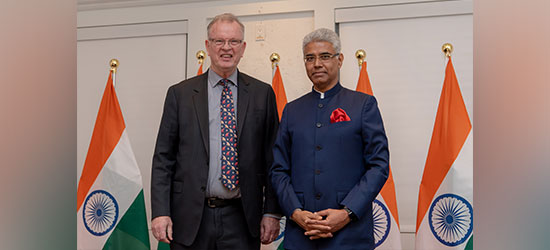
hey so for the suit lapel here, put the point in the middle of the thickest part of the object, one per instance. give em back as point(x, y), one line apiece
point(200, 102)
point(242, 103)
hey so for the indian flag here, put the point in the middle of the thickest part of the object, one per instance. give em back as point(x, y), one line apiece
point(110, 203)
point(277, 244)
point(279, 89)
point(280, 96)
point(199, 72)
point(445, 202)
point(384, 209)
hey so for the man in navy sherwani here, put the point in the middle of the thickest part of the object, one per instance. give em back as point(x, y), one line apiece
point(330, 158)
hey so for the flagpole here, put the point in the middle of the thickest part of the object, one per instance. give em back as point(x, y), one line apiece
point(201, 55)
point(360, 54)
point(447, 49)
point(274, 58)
point(114, 65)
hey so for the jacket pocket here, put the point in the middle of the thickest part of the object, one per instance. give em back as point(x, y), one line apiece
point(340, 124)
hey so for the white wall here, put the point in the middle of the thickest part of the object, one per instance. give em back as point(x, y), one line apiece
point(149, 64)
point(392, 54)
point(406, 70)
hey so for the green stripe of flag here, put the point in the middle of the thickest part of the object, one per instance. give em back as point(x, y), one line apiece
point(163, 246)
point(280, 247)
point(132, 231)
point(470, 244)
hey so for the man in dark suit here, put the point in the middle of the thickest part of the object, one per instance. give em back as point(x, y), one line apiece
point(330, 156)
point(209, 183)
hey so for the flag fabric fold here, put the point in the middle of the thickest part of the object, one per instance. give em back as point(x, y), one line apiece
point(279, 89)
point(110, 203)
point(386, 219)
point(280, 97)
point(445, 201)
point(199, 72)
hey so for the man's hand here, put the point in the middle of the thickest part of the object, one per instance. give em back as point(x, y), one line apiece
point(301, 216)
point(162, 228)
point(335, 220)
point(269, 229)
point(307, 220)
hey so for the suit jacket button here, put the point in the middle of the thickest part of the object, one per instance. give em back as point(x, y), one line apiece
point(318, 147)
point(320, 105)
point(203, 188)
point(317, 171)
point(319, 125)
point(318, 196)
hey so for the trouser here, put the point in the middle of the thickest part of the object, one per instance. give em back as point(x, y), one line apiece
point(222, 228)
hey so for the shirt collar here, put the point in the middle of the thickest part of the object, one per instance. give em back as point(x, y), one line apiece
point(214, 78)
point(322, 95)
point(329, 93)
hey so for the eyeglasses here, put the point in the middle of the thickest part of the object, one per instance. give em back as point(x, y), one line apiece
point(324, 57)
point(232, 42)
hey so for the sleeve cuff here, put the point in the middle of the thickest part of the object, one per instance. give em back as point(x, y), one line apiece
point(276, 216)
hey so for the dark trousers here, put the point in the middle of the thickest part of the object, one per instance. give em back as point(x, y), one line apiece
point(222, 228)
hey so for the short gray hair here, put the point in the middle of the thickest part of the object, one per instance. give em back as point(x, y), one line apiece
point(225, 17)
point(323, 35)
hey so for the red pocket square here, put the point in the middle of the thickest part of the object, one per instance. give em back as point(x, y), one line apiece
point(339, 115)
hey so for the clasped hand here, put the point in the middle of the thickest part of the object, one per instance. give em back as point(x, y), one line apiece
point(321, 224)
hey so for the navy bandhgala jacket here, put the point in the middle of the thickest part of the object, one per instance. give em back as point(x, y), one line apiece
point(319, 164)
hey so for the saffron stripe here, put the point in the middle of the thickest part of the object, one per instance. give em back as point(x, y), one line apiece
point(388, 193)
point(388, 190)
point(107, 131)
point(452, 126)
point(279, 89)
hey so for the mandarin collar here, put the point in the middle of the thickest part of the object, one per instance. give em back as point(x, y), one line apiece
point(331, 92)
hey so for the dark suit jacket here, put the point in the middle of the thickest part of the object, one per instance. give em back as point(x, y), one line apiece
point(180, 162)
point(320, 165)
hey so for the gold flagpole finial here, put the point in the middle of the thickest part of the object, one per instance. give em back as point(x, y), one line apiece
point(360, 54)
point(200, 56)
point(274, 58)
point(447, 48)
point(114, 65)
